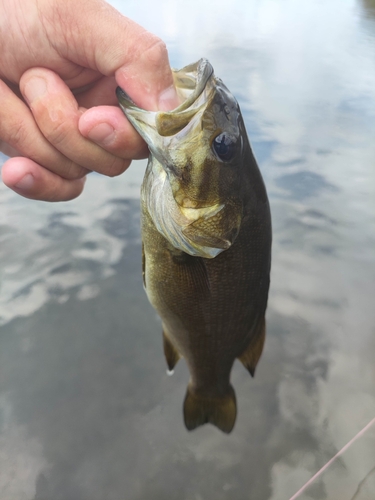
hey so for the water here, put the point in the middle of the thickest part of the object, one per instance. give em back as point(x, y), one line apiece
point(87, 410)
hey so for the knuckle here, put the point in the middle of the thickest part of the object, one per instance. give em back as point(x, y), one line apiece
point(58, 133)
point(18, 136)
point(52, 195)
point(65, 192)
point(116, 167)
point(8, 150)
point(72, 171)
point(156, 53)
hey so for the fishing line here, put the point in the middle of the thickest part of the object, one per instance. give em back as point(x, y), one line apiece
point(357, 436)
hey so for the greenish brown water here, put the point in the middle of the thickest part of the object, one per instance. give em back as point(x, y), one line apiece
point(87, 411)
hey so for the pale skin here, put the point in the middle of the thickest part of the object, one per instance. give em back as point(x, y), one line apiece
point(59, 66)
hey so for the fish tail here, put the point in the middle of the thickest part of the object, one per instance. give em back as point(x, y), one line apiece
point(219, 411)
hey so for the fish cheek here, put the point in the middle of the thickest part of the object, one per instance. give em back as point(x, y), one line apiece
point(208, 176)
point(231, 188)
point(180, 181)
point(195, 182)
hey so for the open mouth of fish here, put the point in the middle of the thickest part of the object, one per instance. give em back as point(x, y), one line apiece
point(190, 84)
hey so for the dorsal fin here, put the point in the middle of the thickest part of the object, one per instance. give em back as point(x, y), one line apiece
point(170, 352)
point(250, 357)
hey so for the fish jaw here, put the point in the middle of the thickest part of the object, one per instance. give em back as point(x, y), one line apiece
point(155, 127)
point(164, 132)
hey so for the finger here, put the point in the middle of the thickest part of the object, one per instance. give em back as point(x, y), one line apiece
point(102, 93)
point(56, 113)
point(30, 180)
point(108, 127)
point(19, 132)
point(8, 150)
point(117, 46)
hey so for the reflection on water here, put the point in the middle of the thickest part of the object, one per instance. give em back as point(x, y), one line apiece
point(86, 408)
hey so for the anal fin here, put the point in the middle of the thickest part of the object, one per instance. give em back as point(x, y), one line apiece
point(170, 352)
point(250, 357)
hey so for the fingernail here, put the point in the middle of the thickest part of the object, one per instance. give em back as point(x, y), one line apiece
point(26, 183)
point(168, 99)
point(35, 88)
point(102, 134)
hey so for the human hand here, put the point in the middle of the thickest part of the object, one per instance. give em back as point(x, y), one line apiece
point(60, 65)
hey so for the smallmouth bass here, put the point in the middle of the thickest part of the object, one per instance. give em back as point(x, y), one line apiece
point(206, 232)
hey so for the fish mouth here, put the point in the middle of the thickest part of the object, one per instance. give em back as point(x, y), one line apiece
point(190, 83)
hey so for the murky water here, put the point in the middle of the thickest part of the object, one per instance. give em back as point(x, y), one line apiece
point(87, 411)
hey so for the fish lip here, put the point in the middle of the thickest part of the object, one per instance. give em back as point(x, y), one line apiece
point(193, 82)
point(203, 70)
point(124, 99)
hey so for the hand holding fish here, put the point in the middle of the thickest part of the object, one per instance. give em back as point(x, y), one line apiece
point(59, 117)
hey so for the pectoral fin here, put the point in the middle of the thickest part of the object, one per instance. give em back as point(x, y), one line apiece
point(220, 411)
point(250, 357)
point(170, 352)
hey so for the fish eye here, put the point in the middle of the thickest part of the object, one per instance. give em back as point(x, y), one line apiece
point(224, 146)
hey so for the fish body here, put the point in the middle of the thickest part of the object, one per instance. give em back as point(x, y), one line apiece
point(206, 231)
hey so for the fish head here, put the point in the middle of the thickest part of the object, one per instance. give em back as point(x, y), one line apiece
point(196, 152)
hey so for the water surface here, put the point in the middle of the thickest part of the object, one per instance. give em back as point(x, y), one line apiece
point(87, 411)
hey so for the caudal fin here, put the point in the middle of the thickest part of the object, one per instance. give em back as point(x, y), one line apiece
point(221, 411)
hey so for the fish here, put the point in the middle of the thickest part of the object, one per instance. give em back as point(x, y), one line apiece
point(206, 239)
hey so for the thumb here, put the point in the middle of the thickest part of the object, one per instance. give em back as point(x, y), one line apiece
point(102, 39)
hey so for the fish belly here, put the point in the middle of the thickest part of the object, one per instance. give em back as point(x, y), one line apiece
point(212, 309)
